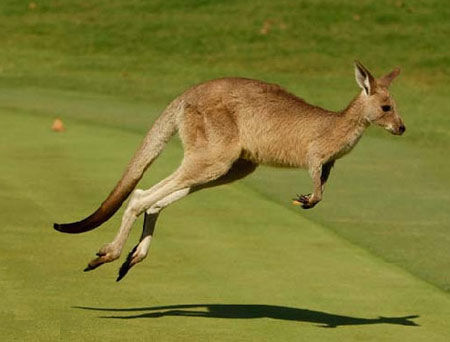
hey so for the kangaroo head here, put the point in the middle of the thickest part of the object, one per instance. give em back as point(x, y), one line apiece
point(378, 106)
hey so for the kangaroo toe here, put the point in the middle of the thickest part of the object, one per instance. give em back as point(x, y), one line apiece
point(107, 253)
point(137, 254)
point(305, 201)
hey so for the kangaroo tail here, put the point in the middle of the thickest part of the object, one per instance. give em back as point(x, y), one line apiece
point(152, 145)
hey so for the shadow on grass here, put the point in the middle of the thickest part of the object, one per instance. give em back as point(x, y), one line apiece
point(242, 311)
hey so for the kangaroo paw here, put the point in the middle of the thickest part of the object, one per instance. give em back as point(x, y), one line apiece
point(304, 201)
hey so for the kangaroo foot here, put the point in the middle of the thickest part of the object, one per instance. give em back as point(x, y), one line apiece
point(137, 254)
point(107, 253)
point(304, 201)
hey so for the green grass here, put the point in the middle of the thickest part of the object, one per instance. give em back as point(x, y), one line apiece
point(253, 266)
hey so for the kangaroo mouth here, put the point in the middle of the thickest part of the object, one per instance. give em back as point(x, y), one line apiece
point(399, 131)
point(396, 130)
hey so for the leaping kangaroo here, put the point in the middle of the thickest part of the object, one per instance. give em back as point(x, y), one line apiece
point(228, 127)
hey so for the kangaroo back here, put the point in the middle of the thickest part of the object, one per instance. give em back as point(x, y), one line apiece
point(152, 145)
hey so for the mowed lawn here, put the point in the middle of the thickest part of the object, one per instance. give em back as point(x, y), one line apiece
point(238, 262)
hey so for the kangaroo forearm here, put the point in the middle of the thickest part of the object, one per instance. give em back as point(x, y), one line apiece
point(326, 169)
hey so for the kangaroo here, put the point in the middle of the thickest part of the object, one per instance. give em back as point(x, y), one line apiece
point(228, 127)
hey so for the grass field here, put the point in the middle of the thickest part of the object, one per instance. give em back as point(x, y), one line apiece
point(370, 263)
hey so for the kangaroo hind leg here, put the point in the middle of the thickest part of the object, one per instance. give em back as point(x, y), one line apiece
point(193, 171)
point(240, 169)
point(111, 251)
point(140, 251)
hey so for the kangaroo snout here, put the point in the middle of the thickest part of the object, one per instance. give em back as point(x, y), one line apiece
point(397, 130)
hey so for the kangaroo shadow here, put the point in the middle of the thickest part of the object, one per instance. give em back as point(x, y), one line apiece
point(243, 311)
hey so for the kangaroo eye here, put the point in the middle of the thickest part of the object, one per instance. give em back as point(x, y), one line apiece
point(386, 108)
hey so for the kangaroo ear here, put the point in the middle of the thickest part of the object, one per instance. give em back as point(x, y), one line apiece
point(364, 78)
point(386, 80)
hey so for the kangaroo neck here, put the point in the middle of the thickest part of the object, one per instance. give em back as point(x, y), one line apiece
point(350, 126)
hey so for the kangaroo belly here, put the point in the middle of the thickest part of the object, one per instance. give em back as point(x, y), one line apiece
point(273, 151)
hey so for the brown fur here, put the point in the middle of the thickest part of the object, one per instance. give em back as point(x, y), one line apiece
point(228, 126)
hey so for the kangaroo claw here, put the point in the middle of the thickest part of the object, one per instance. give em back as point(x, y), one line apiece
point(93, 265)
point(126, 265)
point(304, 201)
point(106, 254)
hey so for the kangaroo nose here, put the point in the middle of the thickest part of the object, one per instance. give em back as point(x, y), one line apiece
point(402, 129)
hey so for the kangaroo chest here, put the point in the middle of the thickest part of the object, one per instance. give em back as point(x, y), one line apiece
point(347, 143)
